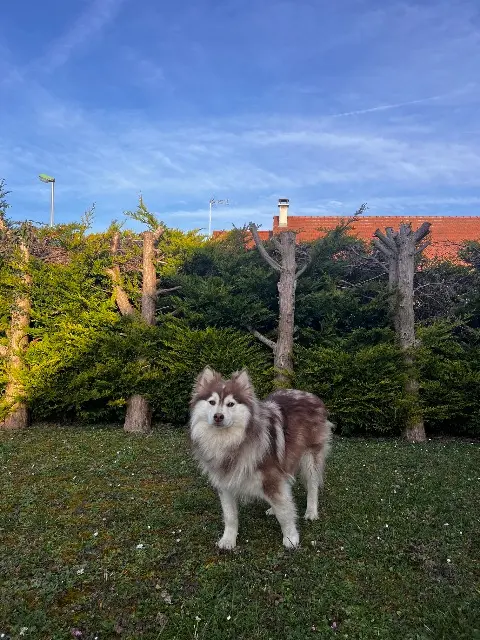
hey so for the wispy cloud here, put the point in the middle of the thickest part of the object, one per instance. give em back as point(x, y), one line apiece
point(382, 108)
point(97, 157)
point(91, 22)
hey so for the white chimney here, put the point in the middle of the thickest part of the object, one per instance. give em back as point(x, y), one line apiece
point(283, 212)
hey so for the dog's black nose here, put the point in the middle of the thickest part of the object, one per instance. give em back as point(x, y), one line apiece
point(218, 417)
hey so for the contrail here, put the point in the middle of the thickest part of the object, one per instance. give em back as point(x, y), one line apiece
point(384, 107)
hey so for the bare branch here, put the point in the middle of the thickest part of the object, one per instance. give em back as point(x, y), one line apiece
point(264, 339)
point(123, 303)
point(158, 233)
point(382, 248)
point(385, 240)
point(423, 246)
point(302, 269)
point(276, 243)
point(421, 232)
point(353, 285)
point(263, 252)
point(404, 230)
point(161, 292)
point(115, 246)
point(367, 259)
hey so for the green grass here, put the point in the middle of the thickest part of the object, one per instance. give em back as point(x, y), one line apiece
point(395, 554)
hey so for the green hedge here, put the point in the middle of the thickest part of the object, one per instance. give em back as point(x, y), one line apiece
point(362, 389)
point(87, 370)
point(449, 365)
point(89, 374)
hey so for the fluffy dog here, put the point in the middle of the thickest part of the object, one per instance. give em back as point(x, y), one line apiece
point(253, 449)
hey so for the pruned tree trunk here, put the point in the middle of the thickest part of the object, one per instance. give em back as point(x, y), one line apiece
point(400, 248)
point(138, 417)
point(149, 282)
point(287, 267)
point(283, 357)
point(17, 417)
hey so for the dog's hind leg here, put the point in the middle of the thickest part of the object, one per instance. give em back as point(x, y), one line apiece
point(311, 470)
point(284, 509)
point(230, 517)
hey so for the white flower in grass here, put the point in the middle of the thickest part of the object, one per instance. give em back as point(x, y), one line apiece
point(95, 534)
point(198, 619)
point(139, 546)
point(23, 631)
point(229, 617)
point(81, 571)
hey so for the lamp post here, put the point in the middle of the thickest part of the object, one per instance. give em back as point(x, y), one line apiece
point(212, 203)
point(48, 179)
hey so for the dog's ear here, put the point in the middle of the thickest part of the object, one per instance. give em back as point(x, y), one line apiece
point(204, 378)
point(242, 381)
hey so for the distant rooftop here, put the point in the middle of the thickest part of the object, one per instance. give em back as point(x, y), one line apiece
point(447, 232)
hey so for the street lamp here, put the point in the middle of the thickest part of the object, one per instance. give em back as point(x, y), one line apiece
point(48, 179)
point(213, 203)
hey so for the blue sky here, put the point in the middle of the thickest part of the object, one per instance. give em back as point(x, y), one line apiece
point(330, 104)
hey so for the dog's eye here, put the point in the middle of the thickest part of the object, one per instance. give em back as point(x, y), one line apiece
point(212, 401)
point(230, 404)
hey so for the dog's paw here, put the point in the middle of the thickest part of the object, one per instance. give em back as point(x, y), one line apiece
point(291, 541)
point(311, 515)
point(227, 543)
point(270, 512)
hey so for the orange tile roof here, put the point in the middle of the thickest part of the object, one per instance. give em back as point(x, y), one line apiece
point(447, 232)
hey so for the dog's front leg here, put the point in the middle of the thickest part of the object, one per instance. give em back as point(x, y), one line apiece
point(230, 517)
point(284, 508)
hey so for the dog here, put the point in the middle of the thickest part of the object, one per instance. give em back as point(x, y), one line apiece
point(250, 448)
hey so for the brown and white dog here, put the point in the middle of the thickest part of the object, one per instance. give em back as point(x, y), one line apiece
point(253, 449)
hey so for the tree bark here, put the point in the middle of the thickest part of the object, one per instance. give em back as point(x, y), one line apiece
point(287, 267)
point(123, 303)
point(149, 282)
point(400, 248)
point(138, 417)
point(283, 355)
point(18, 416)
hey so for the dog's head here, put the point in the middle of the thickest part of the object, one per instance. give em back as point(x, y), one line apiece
point(223, 403)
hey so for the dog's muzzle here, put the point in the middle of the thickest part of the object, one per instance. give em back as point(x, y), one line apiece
point(218, 418)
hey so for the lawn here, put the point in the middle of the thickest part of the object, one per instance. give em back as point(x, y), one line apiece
point(105, 535)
